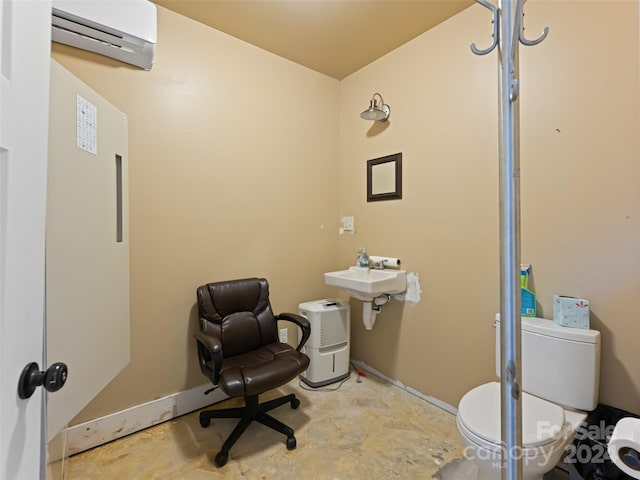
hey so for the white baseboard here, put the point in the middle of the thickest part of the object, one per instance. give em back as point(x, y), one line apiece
point(96, 432)
point(426, 398)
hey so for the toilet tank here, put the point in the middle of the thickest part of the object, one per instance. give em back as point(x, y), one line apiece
point(559, 364)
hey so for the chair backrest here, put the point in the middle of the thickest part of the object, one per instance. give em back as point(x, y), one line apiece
point(238, 312)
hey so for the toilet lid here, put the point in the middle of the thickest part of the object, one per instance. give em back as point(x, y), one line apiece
point(479, 411)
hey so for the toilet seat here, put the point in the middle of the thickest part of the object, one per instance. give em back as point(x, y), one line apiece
point(479, 418)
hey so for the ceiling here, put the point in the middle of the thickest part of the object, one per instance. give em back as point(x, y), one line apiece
point(334, 37)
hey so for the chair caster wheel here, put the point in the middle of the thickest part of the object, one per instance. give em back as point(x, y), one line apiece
point(295, 403)
point(291, 443)
point(221, 459)
point(204, 421)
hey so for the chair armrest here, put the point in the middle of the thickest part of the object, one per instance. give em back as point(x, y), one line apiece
point(302, 322)
point(209, 348)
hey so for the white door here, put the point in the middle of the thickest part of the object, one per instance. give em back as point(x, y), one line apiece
point(25, 36)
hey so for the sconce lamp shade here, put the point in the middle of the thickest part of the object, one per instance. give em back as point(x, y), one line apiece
point(377, 111)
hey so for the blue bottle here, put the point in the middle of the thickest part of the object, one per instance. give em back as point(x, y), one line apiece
point(363, 258)
point(528, 308)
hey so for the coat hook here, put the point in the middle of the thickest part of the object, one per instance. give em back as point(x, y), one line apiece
point(494, 11)
point(524, 40)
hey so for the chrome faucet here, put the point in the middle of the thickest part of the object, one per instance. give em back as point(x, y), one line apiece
point(377, 265)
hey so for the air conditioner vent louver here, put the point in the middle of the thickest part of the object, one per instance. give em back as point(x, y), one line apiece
point(65, 22)
point(125, 31)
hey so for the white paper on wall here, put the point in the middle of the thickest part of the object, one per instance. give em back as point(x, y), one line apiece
point(87, 126)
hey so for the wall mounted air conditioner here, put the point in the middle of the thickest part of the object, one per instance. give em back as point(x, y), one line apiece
point(124, 30)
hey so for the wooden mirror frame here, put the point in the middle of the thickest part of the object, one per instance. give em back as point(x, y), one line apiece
point(394, 188)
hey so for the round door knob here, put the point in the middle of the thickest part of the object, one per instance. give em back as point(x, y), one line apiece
point(53, 379)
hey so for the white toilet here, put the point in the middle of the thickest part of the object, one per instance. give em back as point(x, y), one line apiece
point(560, 378)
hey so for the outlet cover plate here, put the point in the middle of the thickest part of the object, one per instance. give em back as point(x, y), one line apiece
point(348, 224)
point(284, 335)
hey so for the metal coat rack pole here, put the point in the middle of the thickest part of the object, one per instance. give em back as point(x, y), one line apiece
point(508, 32)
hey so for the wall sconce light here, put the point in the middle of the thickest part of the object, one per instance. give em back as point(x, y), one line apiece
point(378, 111)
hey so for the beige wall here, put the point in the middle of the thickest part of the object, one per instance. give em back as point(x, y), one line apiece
point(233, 153)
point(580, 144)
point(218, 192)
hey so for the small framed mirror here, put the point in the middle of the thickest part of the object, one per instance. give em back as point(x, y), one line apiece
point(384, 178)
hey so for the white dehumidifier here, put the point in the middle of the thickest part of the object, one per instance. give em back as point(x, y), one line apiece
point(328, 344)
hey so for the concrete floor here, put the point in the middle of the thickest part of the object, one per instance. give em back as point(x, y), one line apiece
point(366, 430)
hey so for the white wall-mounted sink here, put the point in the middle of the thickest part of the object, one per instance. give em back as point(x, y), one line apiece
point(366, 284)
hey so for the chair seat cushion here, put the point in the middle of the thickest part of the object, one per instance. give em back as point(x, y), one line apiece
point(265, 368)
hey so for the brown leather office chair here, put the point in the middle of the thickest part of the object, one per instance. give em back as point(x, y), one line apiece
point(239, 351)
